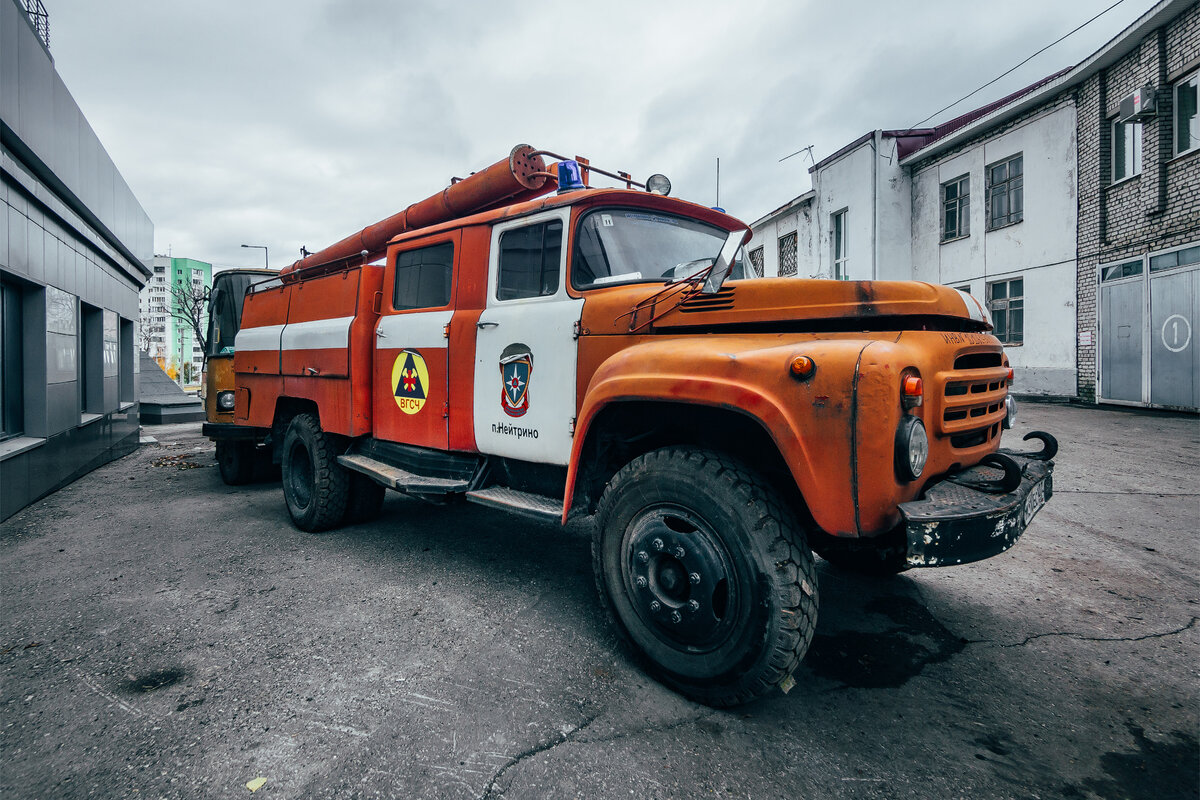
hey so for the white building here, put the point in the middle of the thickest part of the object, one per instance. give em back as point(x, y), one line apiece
point(985, 203)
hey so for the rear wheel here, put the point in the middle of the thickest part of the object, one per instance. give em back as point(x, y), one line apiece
point(235, 461)
point(706, 573)
point(314, 484)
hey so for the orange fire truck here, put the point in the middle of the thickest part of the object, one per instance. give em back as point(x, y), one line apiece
point(537, 345)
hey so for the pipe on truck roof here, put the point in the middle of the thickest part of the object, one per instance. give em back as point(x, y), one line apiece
point(509, 180)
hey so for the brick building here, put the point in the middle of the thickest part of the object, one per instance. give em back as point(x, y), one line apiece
point(1138, 277)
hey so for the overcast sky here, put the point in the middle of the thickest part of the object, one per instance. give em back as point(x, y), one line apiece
point(295, 122)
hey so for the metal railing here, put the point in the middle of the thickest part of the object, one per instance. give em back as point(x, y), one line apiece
point(40, 19)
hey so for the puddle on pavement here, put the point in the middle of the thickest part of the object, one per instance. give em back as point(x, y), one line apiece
point(887, 659)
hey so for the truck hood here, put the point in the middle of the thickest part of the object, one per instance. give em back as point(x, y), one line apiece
point(791, 303)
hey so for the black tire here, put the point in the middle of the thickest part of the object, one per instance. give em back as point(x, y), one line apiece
point(365, 501)
point(706, 574)
point(235, 461)
point(314, 484)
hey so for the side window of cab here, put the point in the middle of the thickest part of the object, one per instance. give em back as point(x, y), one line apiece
point(423, 277)
point(529, 261)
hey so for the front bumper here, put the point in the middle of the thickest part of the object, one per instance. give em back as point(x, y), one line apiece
point(229, 431)
point(967, 517)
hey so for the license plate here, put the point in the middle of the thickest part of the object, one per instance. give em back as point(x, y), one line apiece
point(1034, 501)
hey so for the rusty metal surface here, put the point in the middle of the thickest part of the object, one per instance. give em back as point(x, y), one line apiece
point(959, 520)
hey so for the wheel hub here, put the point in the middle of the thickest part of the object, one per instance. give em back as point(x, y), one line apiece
point(681, 577)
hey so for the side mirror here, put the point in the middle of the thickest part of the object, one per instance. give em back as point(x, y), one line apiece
point(724, 263)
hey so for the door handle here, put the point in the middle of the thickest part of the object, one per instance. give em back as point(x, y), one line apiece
point(487, 325)
point(379, 334)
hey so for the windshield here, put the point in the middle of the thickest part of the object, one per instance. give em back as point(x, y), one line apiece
point(625, 245)
point(225, 308)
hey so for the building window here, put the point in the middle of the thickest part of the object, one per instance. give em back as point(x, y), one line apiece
point(1187, 120)
point(1005, 198)
point(12, 382)
point(1126, 269)
point(787, 255)
point(1186, 257)
point(956, 208)
point(529, 261)
point(1006, 301)
point(756, 261)
point(837, 226)
point(1126, 150)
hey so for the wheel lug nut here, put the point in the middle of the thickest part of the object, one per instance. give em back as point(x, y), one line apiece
point(679, 553)
point(641, 582)
point(675, 617)
point(643, 556)
point(657, 544)
point(694, 578)
point(655, 605)
point(694, 605)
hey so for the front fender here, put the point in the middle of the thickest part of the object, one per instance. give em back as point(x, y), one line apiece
point(809, 420)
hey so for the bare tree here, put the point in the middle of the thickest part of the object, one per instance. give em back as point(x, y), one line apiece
point(189, 306)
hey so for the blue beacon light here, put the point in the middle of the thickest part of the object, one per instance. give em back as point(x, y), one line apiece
point(570, 178)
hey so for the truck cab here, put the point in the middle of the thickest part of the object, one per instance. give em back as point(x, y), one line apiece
point(587, 352)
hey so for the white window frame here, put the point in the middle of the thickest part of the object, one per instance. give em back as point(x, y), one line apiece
point(962, 205)
point(838, 251)
point(1131, 156)
point(1192, 80)
point(996, 307)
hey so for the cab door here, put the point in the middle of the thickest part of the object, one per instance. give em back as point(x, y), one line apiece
point(410, 360)
point(525, 344)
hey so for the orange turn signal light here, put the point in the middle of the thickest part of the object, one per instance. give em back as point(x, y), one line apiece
point(803, 366)
point(1010, 376)
point(913, 386)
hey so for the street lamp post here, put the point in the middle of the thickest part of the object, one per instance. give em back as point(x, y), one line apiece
point(266, 256)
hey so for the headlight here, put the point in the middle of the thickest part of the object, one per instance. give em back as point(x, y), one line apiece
point(225, 401)
point(912, 448)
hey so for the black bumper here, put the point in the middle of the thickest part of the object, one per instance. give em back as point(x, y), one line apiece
point(229, 431)
point(969, 517)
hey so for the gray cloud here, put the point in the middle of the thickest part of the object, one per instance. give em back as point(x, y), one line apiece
point(297, 123)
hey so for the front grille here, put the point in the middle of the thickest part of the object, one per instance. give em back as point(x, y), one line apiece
point(973, 401)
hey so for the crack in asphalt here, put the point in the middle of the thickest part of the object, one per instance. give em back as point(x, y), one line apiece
point(1083, 638)
point(617, 736)
point(562, 738)
point(1129, 494)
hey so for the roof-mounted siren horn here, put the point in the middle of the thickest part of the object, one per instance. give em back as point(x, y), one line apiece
point(1139, 105)
point(521, 176)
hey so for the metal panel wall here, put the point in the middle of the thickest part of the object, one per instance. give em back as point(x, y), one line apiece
point(1174, 357)
point(1121, 341)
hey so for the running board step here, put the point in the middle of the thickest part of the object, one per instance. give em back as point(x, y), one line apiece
point(400, 479)
point(530, 505)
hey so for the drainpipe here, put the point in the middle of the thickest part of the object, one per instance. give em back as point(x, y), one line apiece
point(875, 206)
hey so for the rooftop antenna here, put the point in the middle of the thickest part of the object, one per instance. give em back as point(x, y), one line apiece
point(718, 203)
point(807, 150)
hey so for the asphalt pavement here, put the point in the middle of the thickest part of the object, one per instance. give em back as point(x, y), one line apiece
point(164, 635)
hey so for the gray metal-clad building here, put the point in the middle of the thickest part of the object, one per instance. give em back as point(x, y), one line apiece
point(75, 249)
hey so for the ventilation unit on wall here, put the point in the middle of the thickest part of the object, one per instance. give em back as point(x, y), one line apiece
point(1139, 105)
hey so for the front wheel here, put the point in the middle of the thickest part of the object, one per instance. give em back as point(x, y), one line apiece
point(235, 461)
point(706, 573)
point(314, 484)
